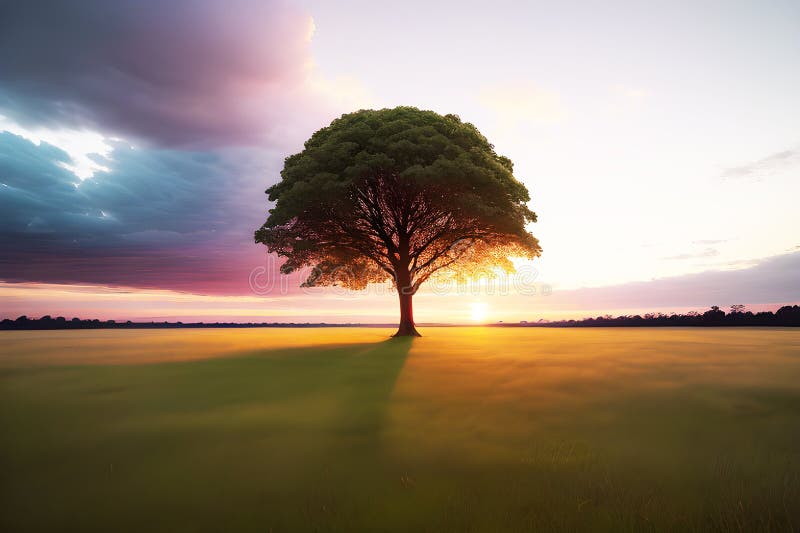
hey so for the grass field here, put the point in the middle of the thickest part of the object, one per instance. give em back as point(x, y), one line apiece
point(465, 429)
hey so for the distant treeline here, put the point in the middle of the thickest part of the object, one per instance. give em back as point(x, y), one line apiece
point(48, 322)
point(788, 315)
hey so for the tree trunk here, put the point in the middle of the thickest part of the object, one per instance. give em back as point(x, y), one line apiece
point(406, 328)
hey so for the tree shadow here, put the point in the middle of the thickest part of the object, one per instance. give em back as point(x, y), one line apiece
point(318, 424)
point(287, 434)
point(312, 398)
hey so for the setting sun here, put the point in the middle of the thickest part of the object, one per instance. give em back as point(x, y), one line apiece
point(478, 311)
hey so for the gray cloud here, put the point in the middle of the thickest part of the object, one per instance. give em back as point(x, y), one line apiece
point(764, 167)
point(198, 78)
point(158, 218)
point(178, 72)
point(772, 280)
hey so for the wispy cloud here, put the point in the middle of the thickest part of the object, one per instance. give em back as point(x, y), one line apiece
point(709, 242)
point(708, 252)
point(771, 279)
point(764, 167)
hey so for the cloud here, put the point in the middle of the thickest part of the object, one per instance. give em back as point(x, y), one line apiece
point(774, 279)
point(767, 166)
point(82, 146)
point(708, 252)
point(156, 218)
point(709, 241)
point(178, 73)
point(212, 94)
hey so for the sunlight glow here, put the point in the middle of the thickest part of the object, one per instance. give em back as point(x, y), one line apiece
point(85, 148)
point(478, 311)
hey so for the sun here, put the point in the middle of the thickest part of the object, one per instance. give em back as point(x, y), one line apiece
point(478, 311)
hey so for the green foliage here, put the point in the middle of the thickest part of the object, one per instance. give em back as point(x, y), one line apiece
point(387, 194)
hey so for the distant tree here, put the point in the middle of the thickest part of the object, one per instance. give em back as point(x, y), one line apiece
point(714, 315)
point(738, 308)
point(397, 194)
point(788, 315)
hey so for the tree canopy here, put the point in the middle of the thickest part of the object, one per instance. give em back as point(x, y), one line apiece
point(397, 194)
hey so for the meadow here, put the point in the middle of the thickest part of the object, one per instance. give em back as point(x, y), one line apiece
point(464, 429)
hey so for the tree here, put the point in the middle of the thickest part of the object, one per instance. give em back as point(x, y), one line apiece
point(397, 194)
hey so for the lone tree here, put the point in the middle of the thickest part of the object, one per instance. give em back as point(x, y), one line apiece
point(397, 194)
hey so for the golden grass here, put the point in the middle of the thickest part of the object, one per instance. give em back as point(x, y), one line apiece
point(464, 429)
point(142, 346)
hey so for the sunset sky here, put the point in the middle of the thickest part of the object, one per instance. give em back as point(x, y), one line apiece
point(660, 142)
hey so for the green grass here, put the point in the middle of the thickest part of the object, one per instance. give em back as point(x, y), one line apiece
point(465, 429)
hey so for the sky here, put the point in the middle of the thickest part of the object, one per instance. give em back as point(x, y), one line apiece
point(659, 141)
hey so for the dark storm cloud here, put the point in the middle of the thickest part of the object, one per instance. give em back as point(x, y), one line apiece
point(145, 190)
point(177, 72)
point(157, 218)
point(185, 81)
